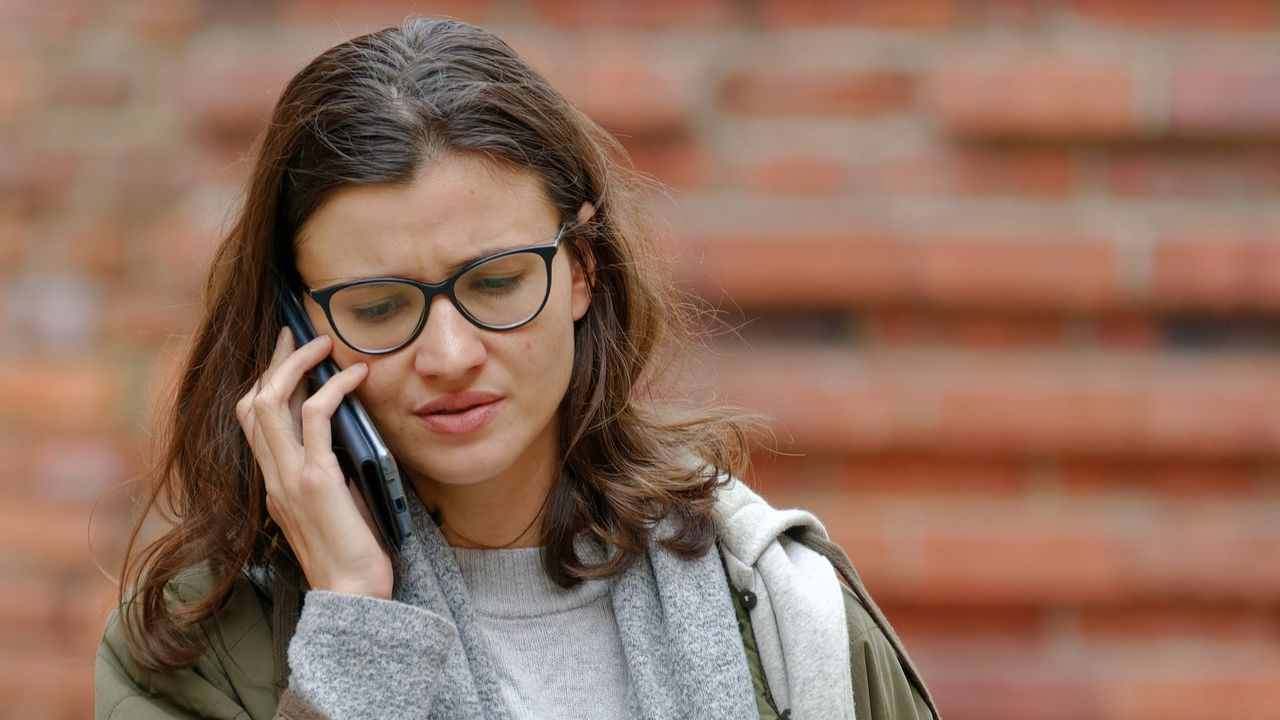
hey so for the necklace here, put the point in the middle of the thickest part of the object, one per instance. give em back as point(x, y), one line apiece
point(439, 518)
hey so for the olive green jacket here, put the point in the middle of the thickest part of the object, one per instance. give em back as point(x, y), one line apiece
point(243, 673)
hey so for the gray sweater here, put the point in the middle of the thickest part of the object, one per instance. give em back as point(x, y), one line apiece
point(433, 652)
point(558, 652)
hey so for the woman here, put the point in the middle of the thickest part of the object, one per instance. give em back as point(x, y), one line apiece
point(472, 253)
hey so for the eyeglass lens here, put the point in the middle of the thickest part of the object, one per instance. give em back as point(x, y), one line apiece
point(501, 292)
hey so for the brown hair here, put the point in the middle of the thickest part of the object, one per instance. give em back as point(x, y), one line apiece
point(375, 110)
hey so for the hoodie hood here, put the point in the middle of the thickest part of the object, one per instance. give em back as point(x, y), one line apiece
point(748, 525)
point(796, 604)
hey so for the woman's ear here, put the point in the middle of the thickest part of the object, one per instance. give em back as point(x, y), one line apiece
point(583, 267)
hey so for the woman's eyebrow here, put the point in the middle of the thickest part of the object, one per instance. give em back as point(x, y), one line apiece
point(449, 271)
point(455, 267)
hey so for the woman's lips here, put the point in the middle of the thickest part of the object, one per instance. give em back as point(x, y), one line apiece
point(458, 423)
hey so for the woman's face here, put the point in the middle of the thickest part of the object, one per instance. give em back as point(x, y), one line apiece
point(458, 209)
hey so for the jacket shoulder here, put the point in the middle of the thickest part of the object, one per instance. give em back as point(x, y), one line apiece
point(234, 673)
point(881, 688)
point(864, 611)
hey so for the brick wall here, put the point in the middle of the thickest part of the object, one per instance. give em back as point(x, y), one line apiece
point(1005, 273)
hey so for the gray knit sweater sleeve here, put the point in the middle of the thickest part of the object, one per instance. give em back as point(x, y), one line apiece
point(360, 657)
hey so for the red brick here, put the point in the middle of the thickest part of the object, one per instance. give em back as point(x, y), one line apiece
point(152, 184)
point(978, 681)
point(1022, 15)
point(43, 15)
point(587, 14)
point(1234, 687)
point(1129, 331)
point(46, 612)
point(62, 395)
point(797, 481)
point(55, 313)
point(1023, 558)
point(14, 458)
point(47, 685)
point(107, 538)
point(161, 20)
point(354, 19)
point(952, 625)
point(979, 552)
point(48, 537)
point(149, 317)
point(907, 328)
point(91, 86)
point(76, 470)
point(991, 272)
point(1252, 173)
point(993, 551)
point(180, 245)
point(14, 237)
point(34, 180)
point(97, 246)
point(627, 87)
point(918, 474)
point(756, 271)
point(1220, 100)
point(791, 175)
point(228, 92)
point(1195, 15)
point(1006, 403)
point(975, 171)
point(1180, 477)
point(677, 160)
point(92, 600)
point(20, 93)
point(1152, 626)
point(1034, 97)
point(994, 271)
point(811, 92)
point(1222, 549)
point(1220, 268)
point(29, 610)
point(1002, 682)
point(885, 13)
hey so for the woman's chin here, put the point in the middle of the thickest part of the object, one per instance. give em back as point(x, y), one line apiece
point(454, 468)
point(435, 475)
point(487, 456)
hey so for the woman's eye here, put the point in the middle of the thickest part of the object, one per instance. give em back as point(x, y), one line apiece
point(497, 285)
point(379, 311)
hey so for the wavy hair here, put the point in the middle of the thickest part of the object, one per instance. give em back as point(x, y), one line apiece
point(376, 109)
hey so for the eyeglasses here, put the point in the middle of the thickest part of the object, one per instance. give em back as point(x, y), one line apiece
point(377, 316)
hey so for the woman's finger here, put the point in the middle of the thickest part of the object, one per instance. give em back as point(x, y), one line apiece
point(266, 460)
point(257, 442)
point(272, 405)
point(288, 365)
point(318, 410)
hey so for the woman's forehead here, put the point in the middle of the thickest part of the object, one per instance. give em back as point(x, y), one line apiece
point(456, 210)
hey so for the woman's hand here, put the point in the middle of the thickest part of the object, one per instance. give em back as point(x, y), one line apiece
point(324, 519)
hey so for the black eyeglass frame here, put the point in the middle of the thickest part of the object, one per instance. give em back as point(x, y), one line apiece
point(429, 291)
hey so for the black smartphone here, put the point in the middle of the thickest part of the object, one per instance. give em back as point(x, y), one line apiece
point(363, 455)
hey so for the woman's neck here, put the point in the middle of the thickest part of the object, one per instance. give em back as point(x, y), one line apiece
point(505, 511)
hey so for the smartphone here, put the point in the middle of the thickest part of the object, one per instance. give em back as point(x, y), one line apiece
point(362, 455)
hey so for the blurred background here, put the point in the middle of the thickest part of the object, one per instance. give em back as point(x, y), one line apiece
point(1006, 276)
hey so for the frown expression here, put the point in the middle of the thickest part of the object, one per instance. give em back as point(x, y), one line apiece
point(458, 208)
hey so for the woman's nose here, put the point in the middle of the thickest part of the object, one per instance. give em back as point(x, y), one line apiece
point(449, 346)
